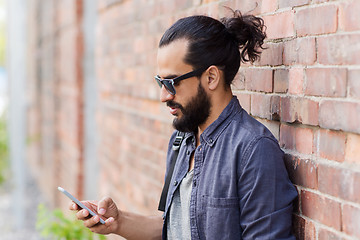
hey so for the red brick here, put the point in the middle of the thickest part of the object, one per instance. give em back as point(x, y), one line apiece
point(258, 79)
point(352, 151)
point(281, 80)
point(244, 99)
point(299, 51)
point(322, 209)
point(273, 126)
point(67, 12)
point(244, 5)
point(268, 6)
point(339, 115)
point(328, 82)
point(299, 110)
point(213, 11)
point(260, 105)
point(275, 108)
point(283, 30)
point(339, 182)
point(339, 49)
point(292, 3)
point(304, 139)
point(303, 229)
point(181, 4)
point(354, 83)
point(166, 7)
point(265, 106)
point(351, 220)
point(249, 6)
point(331, 145)
point(239, 81)
point(296, 80)
point(348, 16)
point(302, 172)
point(315, 16)
point(287, 136)
point(272, 55)
point(324, 234)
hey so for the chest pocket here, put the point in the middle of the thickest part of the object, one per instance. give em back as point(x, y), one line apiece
point(219, 218)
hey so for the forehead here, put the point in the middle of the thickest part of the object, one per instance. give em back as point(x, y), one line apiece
point(170, 58)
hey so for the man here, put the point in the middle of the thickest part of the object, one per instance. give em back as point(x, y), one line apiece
point(229, 180)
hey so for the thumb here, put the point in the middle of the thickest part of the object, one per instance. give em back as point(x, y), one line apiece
point(105, 205)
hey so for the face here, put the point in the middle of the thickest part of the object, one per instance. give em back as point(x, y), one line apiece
point(191, 104)
point(194, 113)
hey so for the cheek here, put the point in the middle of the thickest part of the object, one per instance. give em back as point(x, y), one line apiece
point(182, 100)
point(186, 91)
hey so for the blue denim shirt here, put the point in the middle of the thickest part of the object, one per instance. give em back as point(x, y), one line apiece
point(241, 189)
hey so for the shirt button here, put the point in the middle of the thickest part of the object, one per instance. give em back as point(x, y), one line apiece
point(175, 183)
point(194, 183)
point(188, 152)
point(211, 141)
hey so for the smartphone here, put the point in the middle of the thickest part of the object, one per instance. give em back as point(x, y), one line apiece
point(78, 203)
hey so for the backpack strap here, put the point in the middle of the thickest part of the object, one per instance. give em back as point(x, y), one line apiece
point(176, 148)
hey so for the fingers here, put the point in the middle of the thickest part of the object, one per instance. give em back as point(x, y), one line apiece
point(82, 214)
point(95, 226)
point(73, 206)
point(91, 222)
point(106, 208)
point(90, 204)
point(104, 204)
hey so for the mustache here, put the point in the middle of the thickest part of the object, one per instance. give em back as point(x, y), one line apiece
point(173, 104)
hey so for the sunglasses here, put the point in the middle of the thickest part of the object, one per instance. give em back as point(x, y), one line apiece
point(169, 83)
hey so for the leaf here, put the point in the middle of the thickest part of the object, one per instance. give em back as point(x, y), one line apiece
point(61, 227)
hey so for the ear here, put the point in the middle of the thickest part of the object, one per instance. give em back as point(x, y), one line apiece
point(213, 77)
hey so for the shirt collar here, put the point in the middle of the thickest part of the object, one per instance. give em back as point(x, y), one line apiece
point(215, 129)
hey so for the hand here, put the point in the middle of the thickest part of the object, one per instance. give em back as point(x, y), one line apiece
point(105, 208)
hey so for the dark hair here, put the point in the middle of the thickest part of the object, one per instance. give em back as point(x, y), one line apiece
point(223, 43)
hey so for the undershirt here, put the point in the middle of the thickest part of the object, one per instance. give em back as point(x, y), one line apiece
point(178, 225)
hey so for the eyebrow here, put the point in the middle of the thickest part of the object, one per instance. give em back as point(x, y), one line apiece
point(170, 76)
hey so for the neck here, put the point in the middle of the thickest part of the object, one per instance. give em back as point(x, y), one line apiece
point(218, 103)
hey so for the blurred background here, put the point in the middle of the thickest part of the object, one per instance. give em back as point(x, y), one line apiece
point(79, 107)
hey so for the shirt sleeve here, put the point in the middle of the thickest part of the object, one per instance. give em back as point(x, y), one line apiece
point(267, 194)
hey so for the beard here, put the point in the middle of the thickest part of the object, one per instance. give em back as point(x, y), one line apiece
point(195, 113)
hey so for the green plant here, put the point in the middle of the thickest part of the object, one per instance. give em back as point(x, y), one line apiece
point(3, 148)
point(57, 226)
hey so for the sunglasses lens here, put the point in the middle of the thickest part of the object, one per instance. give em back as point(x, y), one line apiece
point(158, 80)
point(167, 84)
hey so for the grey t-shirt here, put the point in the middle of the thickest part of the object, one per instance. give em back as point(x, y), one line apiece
point(178, 225)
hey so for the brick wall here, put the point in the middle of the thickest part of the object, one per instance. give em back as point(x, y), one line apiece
point(305, 88)
point(55, 121)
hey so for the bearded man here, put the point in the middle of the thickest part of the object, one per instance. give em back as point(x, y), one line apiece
point(226, 178)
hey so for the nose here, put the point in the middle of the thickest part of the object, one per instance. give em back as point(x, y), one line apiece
point(165, 95)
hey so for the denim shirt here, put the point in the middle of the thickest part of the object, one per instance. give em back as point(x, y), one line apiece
point(241, 189)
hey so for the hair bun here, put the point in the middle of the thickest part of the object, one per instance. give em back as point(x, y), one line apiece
point(249, 32)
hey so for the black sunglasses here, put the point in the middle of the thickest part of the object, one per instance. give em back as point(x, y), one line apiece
point(169, 83)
